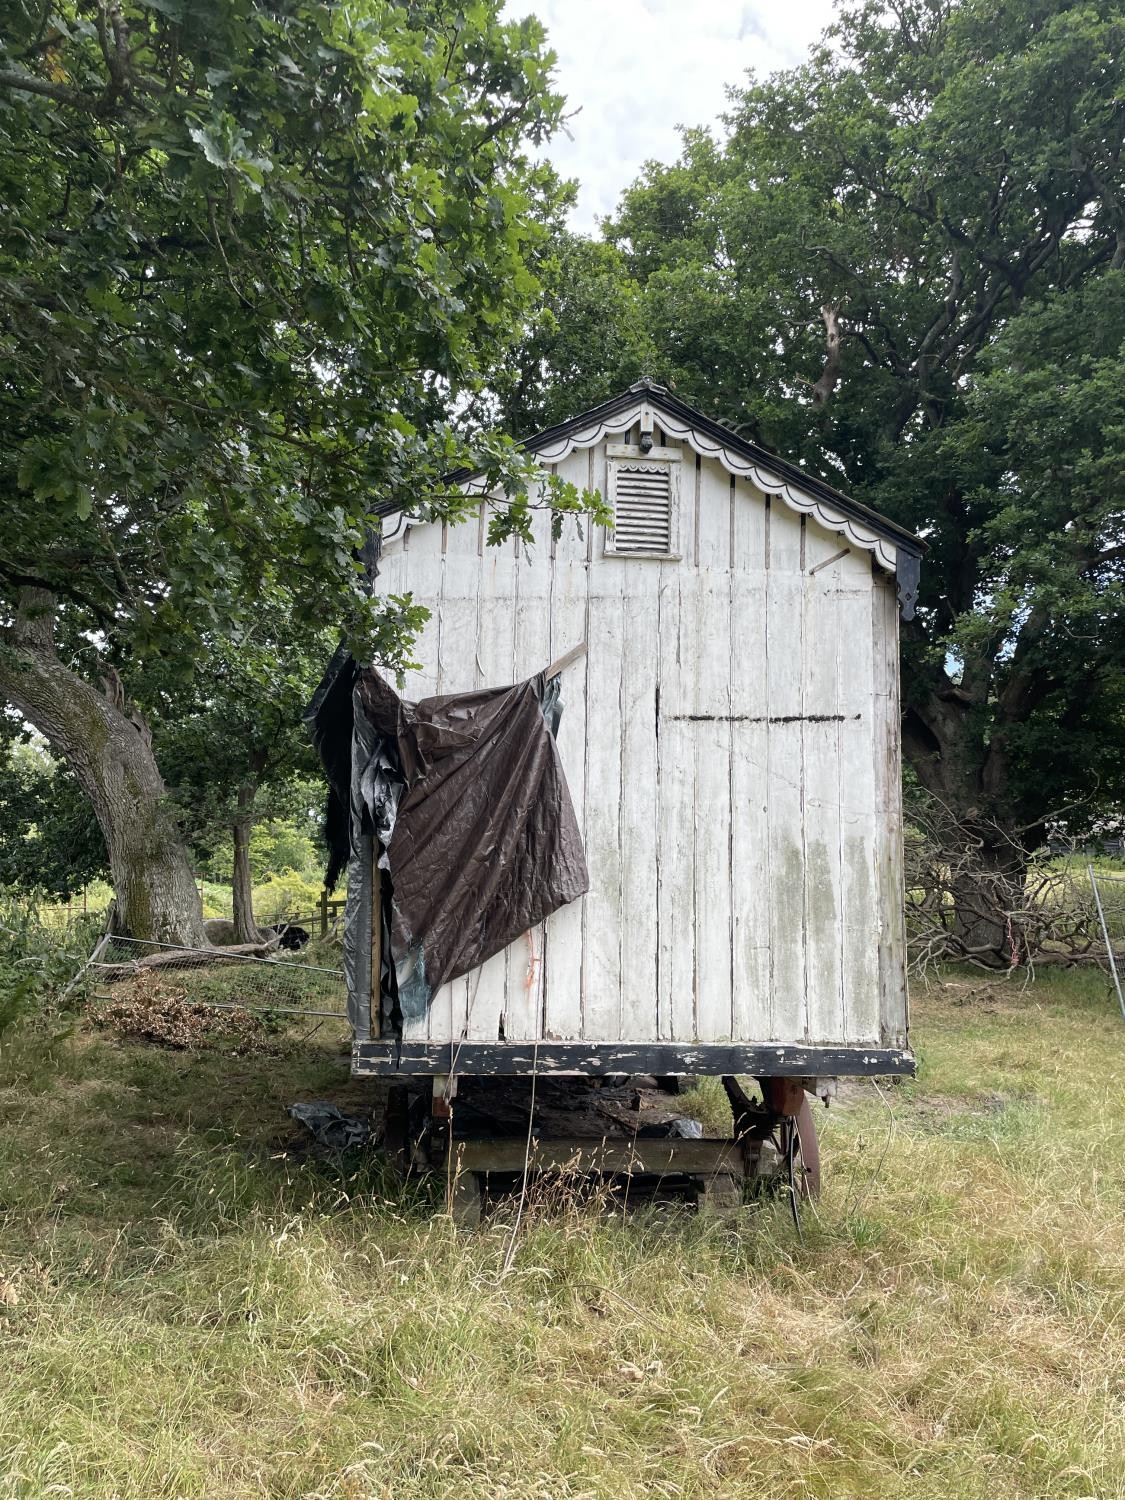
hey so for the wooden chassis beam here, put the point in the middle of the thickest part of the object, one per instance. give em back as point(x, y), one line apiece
point(643, 1156)
point(597, 1059)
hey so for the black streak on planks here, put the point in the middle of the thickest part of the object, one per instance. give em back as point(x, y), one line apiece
point(764, 718)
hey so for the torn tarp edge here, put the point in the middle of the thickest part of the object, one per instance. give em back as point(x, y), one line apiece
point(330, 717)
point(374, 794)
point(357, 937)
point(551, 704)
point(358, 909)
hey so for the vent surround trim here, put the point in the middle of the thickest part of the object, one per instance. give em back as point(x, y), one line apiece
point(642, 495)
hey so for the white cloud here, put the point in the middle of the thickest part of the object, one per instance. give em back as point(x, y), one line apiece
point(636, 69)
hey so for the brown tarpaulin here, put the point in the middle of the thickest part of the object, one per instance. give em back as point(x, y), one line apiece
point(484, 842)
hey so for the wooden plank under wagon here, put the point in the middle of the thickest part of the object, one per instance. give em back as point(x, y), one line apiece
point(643, 1155)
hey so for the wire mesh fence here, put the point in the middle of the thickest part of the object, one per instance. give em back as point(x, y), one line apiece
point(1109, 898)
point(281, 986)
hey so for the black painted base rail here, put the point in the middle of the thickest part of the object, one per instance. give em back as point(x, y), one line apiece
point(489, 1059)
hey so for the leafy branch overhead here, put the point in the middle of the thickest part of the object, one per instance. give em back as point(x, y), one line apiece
point(255, 265)
point(254, 262)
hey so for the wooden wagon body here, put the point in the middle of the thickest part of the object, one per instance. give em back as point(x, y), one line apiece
point(730, 737)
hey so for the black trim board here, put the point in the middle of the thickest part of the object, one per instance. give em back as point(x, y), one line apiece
point(597, 1059)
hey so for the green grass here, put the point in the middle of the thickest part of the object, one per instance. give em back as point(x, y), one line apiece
point(192, 1306)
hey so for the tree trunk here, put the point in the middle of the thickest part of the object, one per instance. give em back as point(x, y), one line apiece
point(988, 897)
point(245, 928)
point(977, 846)
point(111, 754)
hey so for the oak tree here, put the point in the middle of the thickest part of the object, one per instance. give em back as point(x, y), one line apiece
point(251, 257)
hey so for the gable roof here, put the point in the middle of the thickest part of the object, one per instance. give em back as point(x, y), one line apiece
point(897, 550)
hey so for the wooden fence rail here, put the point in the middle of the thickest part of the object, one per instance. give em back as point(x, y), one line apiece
point(328, 911)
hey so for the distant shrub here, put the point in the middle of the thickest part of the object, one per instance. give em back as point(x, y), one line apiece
point(287, 894)
point(38, 960)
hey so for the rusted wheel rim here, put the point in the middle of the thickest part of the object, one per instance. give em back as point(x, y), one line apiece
point(808, 1152)
point(796, 1138)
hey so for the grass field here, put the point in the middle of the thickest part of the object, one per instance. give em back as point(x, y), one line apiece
point(191, 1306)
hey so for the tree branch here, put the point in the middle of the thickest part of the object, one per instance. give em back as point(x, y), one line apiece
point(21, 579)
point(27, 83)
point(33, 624)
point(830, 375)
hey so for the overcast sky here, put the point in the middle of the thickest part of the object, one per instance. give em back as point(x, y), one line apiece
point(635, 69)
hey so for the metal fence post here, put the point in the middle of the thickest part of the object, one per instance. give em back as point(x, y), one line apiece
point(1108, 940)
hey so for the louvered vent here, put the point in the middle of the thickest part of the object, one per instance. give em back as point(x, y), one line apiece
point(642, 509)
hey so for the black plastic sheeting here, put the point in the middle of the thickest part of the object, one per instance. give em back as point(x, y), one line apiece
point(330, 1127)
point(465, 799)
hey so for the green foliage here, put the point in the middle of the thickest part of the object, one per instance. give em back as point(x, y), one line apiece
point(233, 748)
point(50, 842)
point(286, 894)
point(287, 845)
point(1040, 454)
point(255, 261)
point(589, 330)
point(253, 257)
point(36, 967)
point(947, 182)
point(279, 844)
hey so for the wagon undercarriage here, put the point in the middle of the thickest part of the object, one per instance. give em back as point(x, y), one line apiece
point(614, 1136)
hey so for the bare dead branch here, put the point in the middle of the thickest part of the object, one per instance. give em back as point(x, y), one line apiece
point(975, 894)
point(27, 83)
point(185, 958)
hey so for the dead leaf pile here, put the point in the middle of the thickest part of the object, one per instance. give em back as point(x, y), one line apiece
point(151, 1008)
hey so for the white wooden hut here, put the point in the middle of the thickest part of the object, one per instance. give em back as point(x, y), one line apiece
point(731, 742)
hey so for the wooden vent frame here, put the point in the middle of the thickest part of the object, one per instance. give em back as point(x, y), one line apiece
point(643, 491)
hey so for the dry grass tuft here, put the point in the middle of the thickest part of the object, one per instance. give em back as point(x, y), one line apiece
point(191, 1307)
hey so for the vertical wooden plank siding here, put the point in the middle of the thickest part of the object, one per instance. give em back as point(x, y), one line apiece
point(422, 566)
point(390, 568)
point(459, 605)
point(750, 846)
point(605, 824)
point(860, 808)
point(820, 696)
point(709, 703)
point(565, 956)
point(785, 794)
point(411, 564)
point(460, 584)
point(639, 801)
point(523, 1012)
point(892, 938)
point(730, 741)
point(677, 897)
point(494, 666)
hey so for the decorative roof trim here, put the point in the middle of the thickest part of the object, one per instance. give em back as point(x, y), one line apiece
point(706, 446)
point(894, 548)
